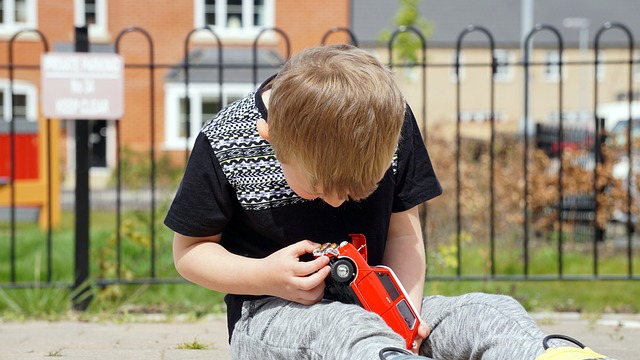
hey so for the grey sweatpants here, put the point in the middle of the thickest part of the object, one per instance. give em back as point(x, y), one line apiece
point(471, 326)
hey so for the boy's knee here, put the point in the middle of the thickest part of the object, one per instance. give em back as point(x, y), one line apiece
point(349, 315)
point(502, 304)
point(349, 320)
point(440, 304)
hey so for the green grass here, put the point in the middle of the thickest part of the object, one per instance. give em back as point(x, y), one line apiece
point(53, 302)
point(592, 296)
point(55, 353)
point(543, 258)
point(194, 345)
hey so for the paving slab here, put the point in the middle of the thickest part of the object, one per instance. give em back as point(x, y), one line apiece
point(614, 335)
point(109, 340)
point(161, 338)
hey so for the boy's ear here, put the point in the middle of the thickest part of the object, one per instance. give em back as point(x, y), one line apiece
point(263, 129)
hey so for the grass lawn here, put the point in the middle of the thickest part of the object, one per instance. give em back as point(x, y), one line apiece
point(53, 302)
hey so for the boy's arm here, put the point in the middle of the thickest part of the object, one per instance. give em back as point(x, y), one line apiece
point(404, 253)
point(202, 260)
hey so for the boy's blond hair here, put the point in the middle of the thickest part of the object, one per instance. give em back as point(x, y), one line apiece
point(336, 113)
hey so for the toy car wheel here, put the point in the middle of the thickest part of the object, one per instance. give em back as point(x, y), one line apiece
point(343, 271)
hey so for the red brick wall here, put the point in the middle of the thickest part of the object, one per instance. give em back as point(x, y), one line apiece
point(168, 22)
point(305, 22)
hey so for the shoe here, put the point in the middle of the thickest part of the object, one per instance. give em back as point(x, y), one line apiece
point(568, 352)
point(391, 353)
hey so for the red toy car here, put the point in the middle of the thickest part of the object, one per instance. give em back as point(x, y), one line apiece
point(375, 288)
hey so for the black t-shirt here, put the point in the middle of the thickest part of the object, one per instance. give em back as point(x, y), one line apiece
point(234, 185)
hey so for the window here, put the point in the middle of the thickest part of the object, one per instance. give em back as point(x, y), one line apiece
point(23, 101)
point(636, 66)
point(572, 117)
point(92, 13)
point(205, 103)
point(239, 18)
point(16, 15)
point(504, 70)
point(552, 70)
point(19, 107)
point(208, 107)
point(90, 16)
point(480, 116)
point(459, 76)
point(601, 65)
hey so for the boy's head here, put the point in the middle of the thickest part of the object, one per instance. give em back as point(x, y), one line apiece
point(335, 115)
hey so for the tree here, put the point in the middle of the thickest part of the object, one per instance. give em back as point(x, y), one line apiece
point(407, 44)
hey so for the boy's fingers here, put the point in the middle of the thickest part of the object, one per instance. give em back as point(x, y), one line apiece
point(303, 247)
point(304, 268)
point(314, 280)
point(424, 331)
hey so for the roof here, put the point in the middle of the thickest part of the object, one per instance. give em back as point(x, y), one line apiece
point(236, 61)
point(503, 19)
point(67, 47)
point(203, 63)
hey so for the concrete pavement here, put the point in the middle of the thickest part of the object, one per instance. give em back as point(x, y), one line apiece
point(157, 337)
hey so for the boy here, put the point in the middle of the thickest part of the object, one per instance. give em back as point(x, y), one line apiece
point(326, 148)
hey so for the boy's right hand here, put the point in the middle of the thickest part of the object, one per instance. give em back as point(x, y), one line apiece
point(289, 278)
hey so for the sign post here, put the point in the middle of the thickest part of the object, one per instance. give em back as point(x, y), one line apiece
point(82, 86)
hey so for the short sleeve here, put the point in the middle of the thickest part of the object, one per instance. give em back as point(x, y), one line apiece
point(203, 203)
point(416, 181)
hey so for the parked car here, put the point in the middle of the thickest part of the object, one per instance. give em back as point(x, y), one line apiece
point(617, 136)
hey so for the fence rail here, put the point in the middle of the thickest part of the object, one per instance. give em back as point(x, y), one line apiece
point(567, 208)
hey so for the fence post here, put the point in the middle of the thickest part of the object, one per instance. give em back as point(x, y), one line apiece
point(81, 288)
point(598, 190)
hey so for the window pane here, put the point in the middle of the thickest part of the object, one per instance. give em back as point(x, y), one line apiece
point(636, 66)
point(258, 12)
point(21, 11)
point(234, 13)
point(601, 65)
point(182, 126)
point(2, 12)
point(19, 107)
point(502, 58)
point(2, 106)
point(90, 12)
point(210, 12)
point(553, 66)
point(210, 107)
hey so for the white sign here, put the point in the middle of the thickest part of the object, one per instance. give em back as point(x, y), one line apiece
point(82, 86)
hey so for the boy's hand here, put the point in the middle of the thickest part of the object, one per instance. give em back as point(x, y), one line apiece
point(289, 278)
point(423, 333)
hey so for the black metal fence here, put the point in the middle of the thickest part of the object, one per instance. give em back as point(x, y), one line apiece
point(448, 246)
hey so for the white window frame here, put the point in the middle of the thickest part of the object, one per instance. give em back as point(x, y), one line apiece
point(9, 26)
point(20, 87)
point(248, 29)
point(504, 73)
point(98, 31)
point(174, 92)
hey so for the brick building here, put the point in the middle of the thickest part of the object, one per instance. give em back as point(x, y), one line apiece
point(302, 24)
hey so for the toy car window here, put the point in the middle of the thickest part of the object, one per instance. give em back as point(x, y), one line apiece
point(406, 313)
point(386, 281)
